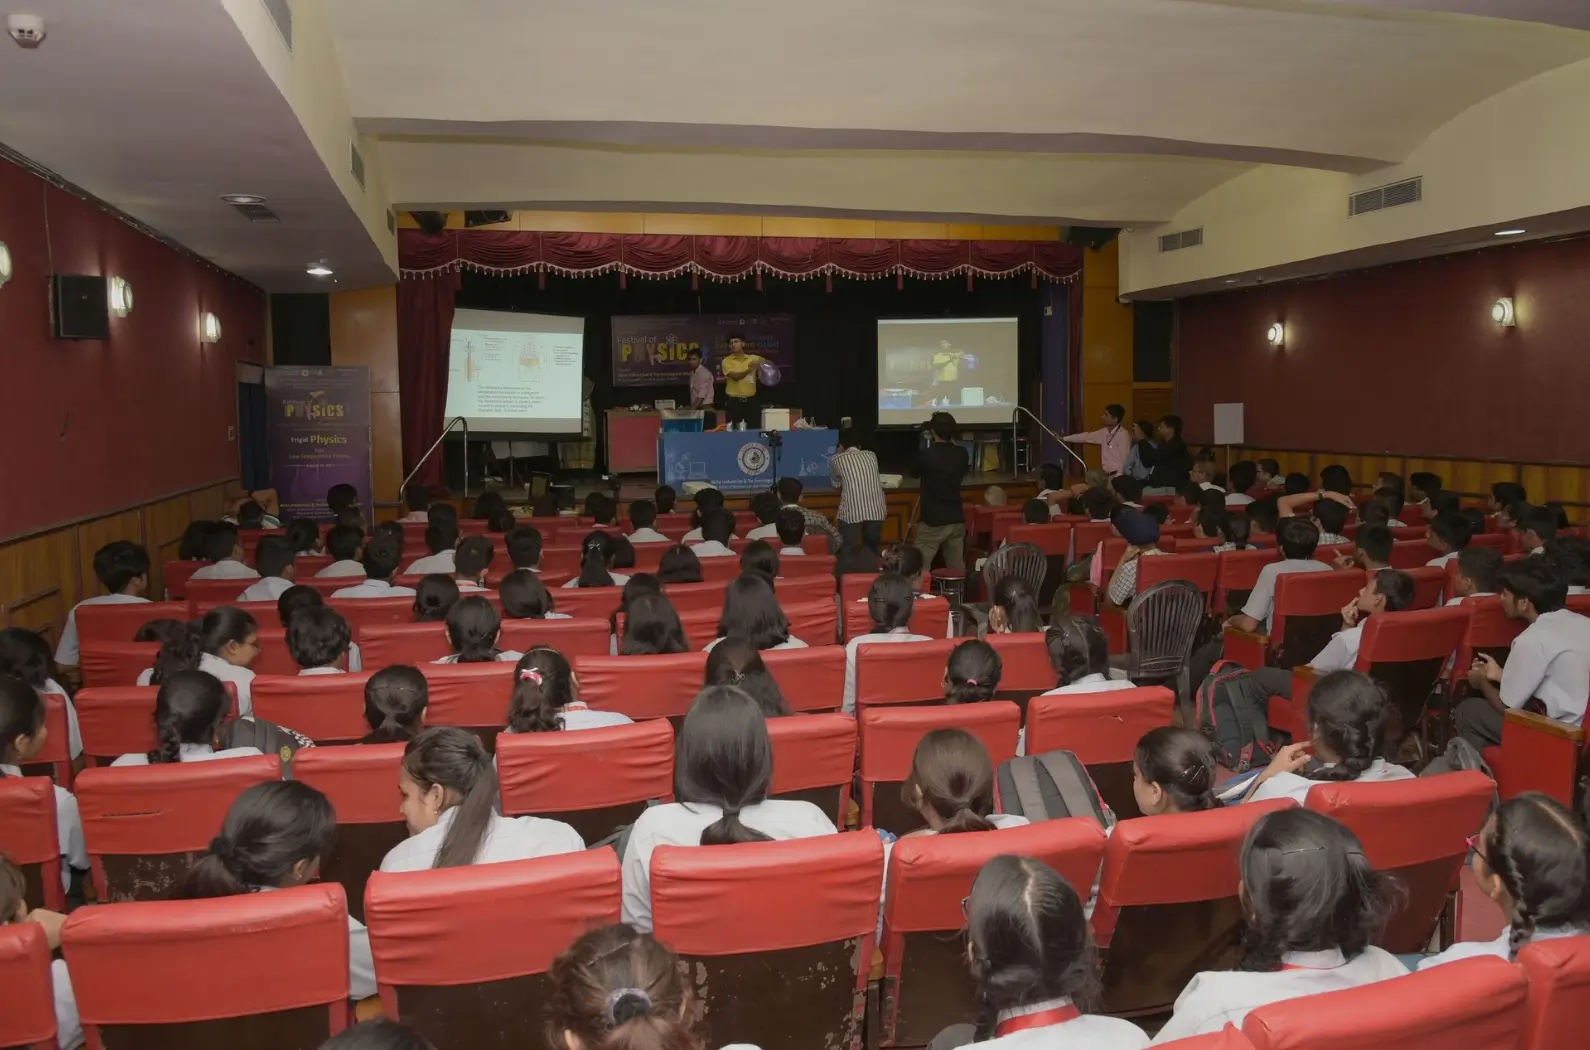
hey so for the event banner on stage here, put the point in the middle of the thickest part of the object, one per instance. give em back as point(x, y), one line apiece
point(742, 461)
point(318, 433)
point(649, 350)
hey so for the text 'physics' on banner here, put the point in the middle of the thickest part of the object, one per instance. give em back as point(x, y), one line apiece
point(318, 432)
point(651, 349)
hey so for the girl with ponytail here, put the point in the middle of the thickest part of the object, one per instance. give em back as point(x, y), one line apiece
point(723, 770)
point(596, 563)
point(26, 655)
point(472, 628)
point(890, 600)
point(1533, 859)
point(275, 837)
point(434, 598)
point(1349, 722)
point(1173, 771)
point(1014, 608)
point(395, 699)
point(22, 737)
point(972, 673)
point(739, 663)
point(448, 785)
point(546, 697)
point(616, 988)
point(191, 709)
point(951, 784)
point(221, 643)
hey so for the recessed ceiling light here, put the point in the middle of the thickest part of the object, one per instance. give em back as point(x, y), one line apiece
point(243, 198)
point(1510, 233)
point(1231, 280)
point(319, 270)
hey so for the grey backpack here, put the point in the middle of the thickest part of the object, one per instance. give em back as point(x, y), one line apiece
point(1050, 786)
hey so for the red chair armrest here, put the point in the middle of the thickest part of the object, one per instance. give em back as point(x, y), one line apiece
point(1245, 647)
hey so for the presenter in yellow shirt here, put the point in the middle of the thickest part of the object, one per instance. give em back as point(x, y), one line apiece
point(947, 374)
point(739, 383)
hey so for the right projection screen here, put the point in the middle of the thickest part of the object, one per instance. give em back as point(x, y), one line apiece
point(965, 366)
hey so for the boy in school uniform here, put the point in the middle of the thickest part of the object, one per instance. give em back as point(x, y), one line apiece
point(717, 528)
point(274, 559)
point(1478, 570)
point(1548, 667)
point(665, 497)
point(1392, 500)
point(381, 558)
point(1448, 536)
point(1243, 476)
point(419, 500)
point(471, 559)
point(225, 550)
point(642, 516)
point(340, 498)
point(524, 547)
point(441, 538)
point(765, 506)
point(122, 568)
point(1505, 494)
point(791, 531)
point(1571, 556)
point(1386, 591)
point(1331, 517)
point(1268, 479)
point(1371, 550)
point(1536, 527)
point(342, 543)
point(789, 492)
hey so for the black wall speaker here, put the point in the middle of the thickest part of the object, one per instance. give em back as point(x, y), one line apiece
point(431, 222)
point(79, 307)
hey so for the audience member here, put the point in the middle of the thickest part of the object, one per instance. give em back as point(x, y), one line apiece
point(546, 697)
point(122, 568)
point(890, 602)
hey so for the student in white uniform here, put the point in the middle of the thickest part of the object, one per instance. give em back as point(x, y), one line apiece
point(26, 655)
point(22, 737)
point(318, 639)
point(679, 564)
point(395, 699)
point(1479, 569)
point(191, 710)
point(343, 543)
point(122, 568)
point(1173, 771)
point(222, 644)
point(473, 627)
point(722, 773)
point(642, 518)
point(1313, 907)
point(706, 500)
point(525, 597)
point(1537, 527)
point(546, 697)
point(304, 535)
point(717, 529)
point(651, 623)
point(790, 528)
point(752, 614)
point(1080, 656)
point(434, 598)
point(765, 506)
point(1533, 859)
point(275, 837)
point(524, 547)
point(760, 556)
point(1448, 537)
point(596, 563)
point(275, 560)
point(440, 538)
point(906, 559)
point(1386, 591)
point(737, 663)
point(1013, 608)
point(471, 560)
point(224, 549)
point(449, 801)
point(890, 602)
point(381, 557)
point(14, 909)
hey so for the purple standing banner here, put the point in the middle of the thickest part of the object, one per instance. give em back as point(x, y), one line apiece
point(650, 349)
point(318, 433)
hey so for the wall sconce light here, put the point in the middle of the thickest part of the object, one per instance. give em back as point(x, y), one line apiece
point(1276, 334)
point(209, 328)
point(121, 297)
point(1502, 312)
point(5, 264)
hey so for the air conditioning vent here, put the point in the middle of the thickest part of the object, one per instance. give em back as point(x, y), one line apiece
point(357, 166)
point(391, 221)
point(1409, 191)
point(281, 13)
point(1172, 242)
point(256, 213)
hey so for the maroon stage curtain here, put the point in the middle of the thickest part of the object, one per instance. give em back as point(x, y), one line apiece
point(425, 323)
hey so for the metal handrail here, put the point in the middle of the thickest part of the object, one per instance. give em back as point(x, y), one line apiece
point(1015, 434)
point(448, 429)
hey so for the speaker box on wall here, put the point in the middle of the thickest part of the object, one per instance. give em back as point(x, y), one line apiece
point(79, 307)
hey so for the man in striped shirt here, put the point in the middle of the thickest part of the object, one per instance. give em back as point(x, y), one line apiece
point(854, 471)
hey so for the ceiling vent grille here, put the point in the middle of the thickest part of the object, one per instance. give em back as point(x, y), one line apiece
point(1409, 191)
point(282, 14)
point(356, 165)
point(256, 213)
point(1172, 242)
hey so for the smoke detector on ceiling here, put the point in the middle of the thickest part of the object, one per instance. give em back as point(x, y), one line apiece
point(26, 30)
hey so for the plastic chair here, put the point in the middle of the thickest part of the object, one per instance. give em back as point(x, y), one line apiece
point(115, 663)
point(274, 967)
point(778, 935)
point(29, 1017)
point(1016, 559)
point(901, 672)
point(119, 622)
point(595, 780)
point(1559, 992)
point(641, 686)
point(889, 736)
point(814, 758)
point(811, 679)
point(1162, 623)
point(359, 782)
point(30, 839)
point(1102, 730)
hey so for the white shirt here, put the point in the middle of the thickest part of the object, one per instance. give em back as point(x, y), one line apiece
point(1550, 660)
point(1093, 683)
point(648, 536)
point(1443, 559)
point(681, 824)
point(67, 652)
point(321, 670)
point(1296, 788)
point(579, 716)
point(266, 590)
point(1238, 499)
point(1214, 999)
point(1499, 947)
point(68, 827)
point(1261, 601)
point(504, 656)
point(1341, 652)
point(899, 634)
point(433, 563)
point(790, 552)
point(241, 677)
point(694, 536)
point(349, 567)
point(225, 570)
point(68, 1026)
point(763, 532)
point(192, 753)
point(619, 579)
point(788, 643)
point(414, 517)
point(508, 838)
point(1088, 1032)
point(374, 589)
point(712, 549)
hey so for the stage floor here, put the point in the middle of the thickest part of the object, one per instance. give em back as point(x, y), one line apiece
point(641, 486)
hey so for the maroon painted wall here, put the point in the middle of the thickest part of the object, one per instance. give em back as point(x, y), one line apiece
point(1403, 359)
point(92, 427)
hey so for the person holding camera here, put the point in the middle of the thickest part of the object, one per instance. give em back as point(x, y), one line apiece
point(942, 467)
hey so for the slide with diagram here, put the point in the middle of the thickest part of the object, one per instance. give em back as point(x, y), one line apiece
point(516, 372)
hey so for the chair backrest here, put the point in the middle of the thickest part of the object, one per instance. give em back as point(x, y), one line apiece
point(809, 565)
point(1188, 544)
point(1494, 540)
point(327, 708)
point(1017, 559)
point(1053, 539)
point(1472, 1004)
point(116, 721)
point(29, 839)
point(1162, 623)
point(274, 657)
point(889, 736)
point(1102, 730)
point(1308, 610)
point(811, 679)
point(560, 559)
point(809, 587)
point(1559, 992)
point(595, 780)
point(367, 612)
point(1540, 754)
point(1025, 668)
point(56, 752)
point(853, 586)
point(174, 577)
point(263, 612)
point(641, 686)
point(901, 672)
point(383, 645)
point(779, 935)
point(1088, 535)
point(144, 825)
point(1489, 631)
point(115, 663)
point(1238, 572)
point(462, 953)
point(119, 622)
point(692, 597)
point(1406, 651)
point(929, 616)
point(924, 960)
point(1328, 552)
point(134, 968)
point(1410, 553)
point(1429, 581)
point(224, 590)
point(1416, 829)
point(470, 696)
point(1167, 905)
point(29, 1016)
point(814, 759)
point(1200, 570)
point(589, 602)
point(360, 782)
point(1003, 521)
point(814, 622)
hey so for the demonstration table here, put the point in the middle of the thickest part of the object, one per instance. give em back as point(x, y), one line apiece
point(741, 461)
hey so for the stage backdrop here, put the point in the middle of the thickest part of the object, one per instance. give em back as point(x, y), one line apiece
point(650, 349)
point(318, 425)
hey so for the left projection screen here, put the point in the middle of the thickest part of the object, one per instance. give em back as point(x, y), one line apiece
point(521, 373)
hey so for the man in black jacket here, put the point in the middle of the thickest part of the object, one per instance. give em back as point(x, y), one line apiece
point(942, 468)
point(1172, 461)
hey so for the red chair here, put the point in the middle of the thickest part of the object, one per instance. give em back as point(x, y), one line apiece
point(1559, 992)
point(144, 825)
point(29, 1016)
point(1238, 572)
point(1417, 830)
point(595, 780)
point(816, 544)
point(813, 622)
point(811, 679)
point(360, 782)
point(223, 591)
point(461, 953)
point(641, 686)
point(305, 566)
point(1473, 1004)
point(1053, 539)
point(925, 985)
point(263, 612)
point(470, 696)
point(1201, 570)
point(889, 736)
point(1540, 754)
point(174, 575)
point(1410, 553)
point(1189, 544)
point(30, 839)
point(853, 587)
point(327, 708)
point(274, 657)
point(250, 538)
point(786, 977)
point(369, 612)
point(116, 721)
point(1026, 669)
point(56, 752)
point(283, 957)
point(814, 758)
point(695, 597)
point(1495, 540)
point(812, 563)
point(1429, 583)
point(115, 663)
point(1167, 906)
point(1004, 520)
point(902, 672)
point(387, 644)
point(1329, 552)
point(720, 570)
point(1086, 536)
point(1489, 631)
point(929, 617)
point(673, 526)
point(793, 590)
point(589, 602)
point(1102, 730)
point(572, 535)
point(1307, 611)
point(118, 623)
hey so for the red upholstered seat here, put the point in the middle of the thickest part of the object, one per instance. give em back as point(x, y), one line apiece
point(1538, 754)
point(816, 543)
point(853, 586)
point(1410, 553)
point(366, 612)
point(174, 576)
point(596, 780)
point(1494, 540)
point(811, 679)
point(1087, 535)
point(224, 591)
point(327, 708)
point(384, 645)
point(802, 588)
point(1489, 631)
point(305, 566)
point(1053, 539)
point(1167, 905)
point(1201, 570)
point(273, 966)
point(1308, 610)
point(361, 783)
point(56, 751)
point(144, 825)
point(115, 663)
point(470, 696)
point(693, 597)
point(597, 603)
point(29, 839)
point(777, 935)
point(1474, 1004)
point(116, 721)
point(925, 985)
point(1025, 668)
point(901, 672)
point(641, 686)
point(264, 613)
point(809, 565)
point(462, 953)
point(28, 1019)
point(721, 570)
point(118, 623)
point(572, 535)
point(1329, 552)
point(929, 616)
point(1238, 572)
point(560, 559)
point(814, 758)
point(1559, 993)
point(1429, 583)
point(250, 538)
point(1189, 544)
point(1004, 519)
point(274, 657)
point(812, 621)
point(889, 736)
point(1102, 730)
point(1415, 829)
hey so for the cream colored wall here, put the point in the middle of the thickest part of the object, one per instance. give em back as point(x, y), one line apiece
point(747, 226)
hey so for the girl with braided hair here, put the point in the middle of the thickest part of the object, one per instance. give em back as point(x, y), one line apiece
point(275, 837)
point(190, 712)
point(1173, 771)
point(1349, 721)
point(546, 697)
point(738, 663)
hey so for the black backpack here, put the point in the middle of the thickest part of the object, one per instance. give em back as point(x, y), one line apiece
point(1233, 712)
point(268, 737)
point(1050, 786)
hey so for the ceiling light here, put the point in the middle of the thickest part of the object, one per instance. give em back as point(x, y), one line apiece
point(1231, 280)
point(209, 328)
point(1276, 334)
point(5, 264)
point(319, 269)
point(243, 198)
point(1502, 312)
point(121, 296)
point(1510, 233)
